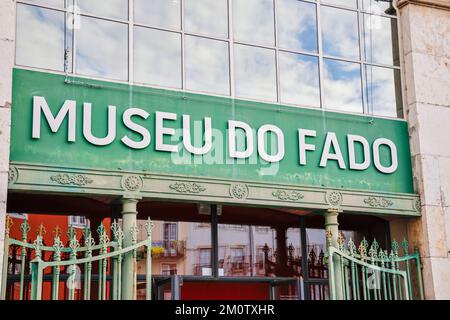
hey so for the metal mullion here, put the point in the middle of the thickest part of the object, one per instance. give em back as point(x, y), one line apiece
point(131, 41)
point(148, 26)
point(255, 45)
point(320, 51)
point(231, 51)
point(183, 38)
point(42, 6)
point(201, 35)
point(277, 58)
point(362, 55)
point(74, 39)
point(305, 53)
point(89, 15)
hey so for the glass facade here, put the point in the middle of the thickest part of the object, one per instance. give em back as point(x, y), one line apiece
point(337, 54)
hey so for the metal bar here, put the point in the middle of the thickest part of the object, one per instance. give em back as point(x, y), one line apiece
point(419, 273)
point(214, 242)
point(5, 265)
point(304, 254)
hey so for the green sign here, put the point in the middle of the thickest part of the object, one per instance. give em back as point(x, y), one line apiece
point(85, 124)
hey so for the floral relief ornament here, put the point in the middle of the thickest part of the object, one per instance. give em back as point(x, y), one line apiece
point(132, 183)
point(291, 195)
point(239, 191)
point(334, 198)
point(71, 179)
point(12, 174)
point(187, 187)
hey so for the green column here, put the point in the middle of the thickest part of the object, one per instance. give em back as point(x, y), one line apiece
point(332, 230)
point(129, 216)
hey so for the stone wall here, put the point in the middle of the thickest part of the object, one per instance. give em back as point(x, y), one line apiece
point(425, 39)
point(7, 36)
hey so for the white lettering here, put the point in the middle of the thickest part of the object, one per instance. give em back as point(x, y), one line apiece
point(262, 146)
point(146, 138)
point(232, 126)
point(331, 140)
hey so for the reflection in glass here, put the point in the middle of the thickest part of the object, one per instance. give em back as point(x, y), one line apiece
point(255, 74)
point(207, 65)
point(42, 49)
point(102, 48)
point(157, 57)
point(253, 21)
point(116, 9)
point(297, 27)
point(383, 91)
point(50, 3)
point(209, 17)
point(376, 7)
point(340, 32)
point(342, 86)
point(380, 40)
point(344, 3)
point(181, 248)
point(158, 13)
point(299, 79)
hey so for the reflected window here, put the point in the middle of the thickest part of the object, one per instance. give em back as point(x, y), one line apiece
point(115, 9)
point(255, 73)
point(297, 27)
point(380, 40)
point(157, 57)
point(209, 17)
point(299, 79)
point(383, 91)
point(158, 13)
point(340, 32)
point(253, 21)
point(102, 48)
point(376, 6)
point(43, 49)
point(207, 65)
point(342, 86)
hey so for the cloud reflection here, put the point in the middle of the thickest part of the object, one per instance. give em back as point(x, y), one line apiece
point(208, 17)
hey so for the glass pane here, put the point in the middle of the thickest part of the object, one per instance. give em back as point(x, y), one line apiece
point(102, 48)
point(344, 3)
point(157, 57)
point(340, 32)
point(208, 17)
point(158, 13)
point(297, 28)
point(299, 79)
point(342, 86)
point(116, 9)
point(383, 91)
point(50, 3)
point(253, 21)
point(255, 74)
point(178, 248)
point(316, 247)
point(207, 65)
point(381, 40)
point(376, 7)
point(43, 49)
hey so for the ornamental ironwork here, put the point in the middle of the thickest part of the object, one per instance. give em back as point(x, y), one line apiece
point(71, 179)
point(291, 195)
point(187, 187)
point(378, 202)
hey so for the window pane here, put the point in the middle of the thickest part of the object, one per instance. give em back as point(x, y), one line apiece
point(43, 49)
point(158, 13)
point(116, 9)
point(102, 48)
point(340, 32)
point(381, 40)
point(255, 74)
point(344, 3)
point(157, 57)
point(376, 7)
point(342, 86)
point(207, 17)
point(383, 91)
point(253, 21)
point(50, 3)
point(207, 66)
point(299, 79)
point(297, 25)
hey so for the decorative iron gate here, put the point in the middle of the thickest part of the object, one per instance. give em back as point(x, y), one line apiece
point(39, 263)
point(371, 273)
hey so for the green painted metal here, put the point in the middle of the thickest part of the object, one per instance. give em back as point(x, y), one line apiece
point(116, 157)
point(109, 252)
point(373, 271)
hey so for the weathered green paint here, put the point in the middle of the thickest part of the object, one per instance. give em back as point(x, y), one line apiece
point(53, 148)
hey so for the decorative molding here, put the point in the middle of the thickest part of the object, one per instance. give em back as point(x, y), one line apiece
point(379, 202)
point(290, 195)
point(239, 191)
point(13, 174)
point(333, 198)
point(71, 179)
point(417, 205)
point(187, 187)
point(132, 183)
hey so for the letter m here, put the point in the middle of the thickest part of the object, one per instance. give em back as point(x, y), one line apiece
point(40, 106)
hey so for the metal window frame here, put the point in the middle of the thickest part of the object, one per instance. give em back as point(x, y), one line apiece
point(231, 42)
